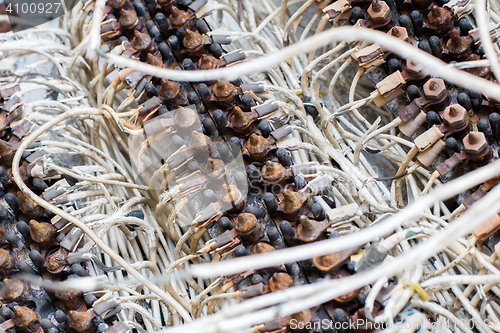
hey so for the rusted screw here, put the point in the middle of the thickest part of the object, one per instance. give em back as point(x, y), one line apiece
point(293, 201)
point(309, 230)
point(198, 142)
point(231, 196)
point(248, 228)
point(25, 318)
point(169, 89)
point(455, 115)
point(223, 90)
point(440, 19)
point(117, 4)
point(192, 40)
point(280, 281)
point(434, 88)
point(56, 261)
point(185, 117)
point(240, 120)
point(215, 168)
point(257, 146)
point(41, 232)
point(273, 172)
point(81, 321)
point(262, 248)
point(208, 62)
point(15, 289)
point(71, 298)
point(459, 46)
point(141, 41)
point(475, 142)
point(155, 60)
point(328, 261)
point(128, 19)
point(179, 18)
point(379, 11)
point(6, 261)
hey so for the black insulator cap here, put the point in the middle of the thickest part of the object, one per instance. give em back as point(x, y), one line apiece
point(24, 229)
point(6, 313)
point(4, 214)
point(61, 317)
point(394, 65)
point(351, 266)
point(225, 152)
point(220, 119)
point(202, 26)
point(97, 320)
point(241, 251)
point(177, 141)
point(175, 43)
point(433, 118)
point(166, 53)
point(464, 100)
point(209, 126)
point(284, 157)
point(193, 98)
point(193, 166)
point(329, 201)
point(226, 223)
point(442, 2)
point(181, 33)
point(13, 201)
point(405, 22)
point(37, 259)
point(151, 89)
point(334, 234)
point(138, 213)
point(89, 300)
point(140, 9)
point(273, 234)
point(357, 14)
point(362, 299)
point(60, 238)
point(240, 179)
point(287, 229)
point(188, 64)
point(102, 327)
point(162, 22)
point(425, 46)
point(256, 210)
point(4, 176)
point(253, 172)
point(465, 26)
point(248, 100)
point(122, 39)
point(483, 125)
point(452, 145)
point(216, 50)
point(236, 145)
point(204, 92)
point(436, 46)
point(270, 202)
point(210, 196)
point(340, 316)
point(256, 279)
point(476, 100)
point(318, 211)
point(417, 21)
point(79, 270)
point(495, 124)
point(265, 128)
point(413, 92)
point(12, 238)
point(299, 182)
point(163, 110)
point(154, 32)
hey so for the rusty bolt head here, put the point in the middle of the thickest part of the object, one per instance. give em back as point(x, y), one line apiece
point(239, 119)
point(42, 232)
point(179, 18)
point(412, 68)
point(459, 46)
point(440, 19)
point(169, 89)
point(273, 172)
point(26, 318)
point(328, 261)
point(6, 260)
point(16, 289)
point(280, 281)
point(434, 89)
point(257, 146)
point(293, 201)
point(399, 32)
point(199, 142)
point(192, 40)
point(245, 223)
point(81, 321)
point(455, 115)
point(141, 41)
point(208, 62)
point(309, 230)
point(231, 195)
point(56, 261)
point(215, 168)
point(128, 18)
point(155, 60)
point(262, 248)
point(185, 117)
point(117, 4)
point(475, 142)
point(223, 89)
point(379, 11)
point(71, 298)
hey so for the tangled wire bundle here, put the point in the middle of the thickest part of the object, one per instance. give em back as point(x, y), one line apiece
point(238, 166)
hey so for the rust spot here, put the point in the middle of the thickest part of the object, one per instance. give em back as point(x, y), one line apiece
point(309, 230)
point(192, 40)
point(231, 195)
point(257, 146)
point(293, 201)
point(245, 223)
point(141, 41)
point(215, 168)
point(128, 18)
point(262, 248)
point(440, 19)
point(280, 281)
point(459, 46)
point(71, 298)
point(169, 89)
point(179, 18)
point(56, 260)
point(223, 90)
point(6, 261)
point(241, 120)
point(26, 318)
point(328, 261)
point(81, 321)
point(117, 4)
point(42, 232)
point(208, 62)
point(16, 289)
point(155, 60)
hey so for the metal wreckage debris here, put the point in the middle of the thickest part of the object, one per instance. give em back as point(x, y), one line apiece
point(238, 166)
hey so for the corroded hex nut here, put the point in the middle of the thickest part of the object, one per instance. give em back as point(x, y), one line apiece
point(455, 115)
point(280, 281)
point(399, 32)
point(379, 11)
point(412, 68)
point(434, 89)
point(474, 142)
